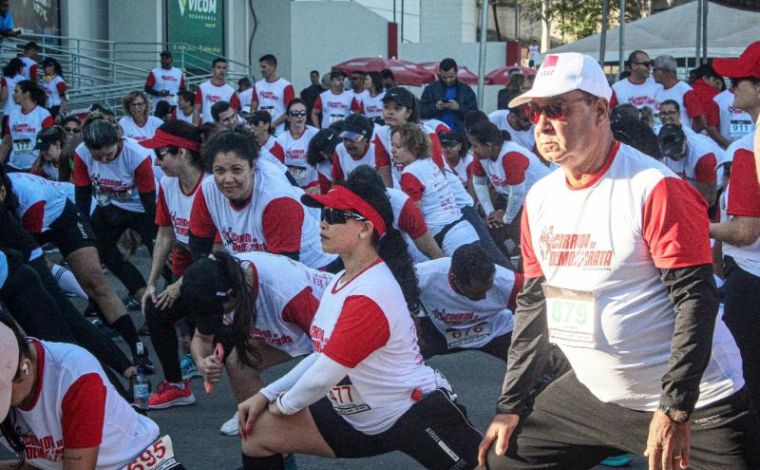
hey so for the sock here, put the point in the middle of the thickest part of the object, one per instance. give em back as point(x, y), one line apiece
point(127, 330)
point(67, 281)
point(273, 462)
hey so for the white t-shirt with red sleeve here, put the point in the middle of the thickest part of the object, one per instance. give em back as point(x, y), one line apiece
point(273, 97)
point(600, 248)
point(463, 168)
point(343, 163)
point(173, 209)
point(273, 153)
point(118, 182)
point(687, 100)
point(161, 79)
point(55, 89)
point(735, 123)
point(436, 126)
point(31, 68)
point(294, 155)
point(272, 220)
point(525, 138)
point(134, 131)
point(742, 199)
point(372, 106)
point(425, 183)
point(640, 95)
point(208, 94)
point(77, 408)
point(408, 219)
point(23, 128)
point(467, 323)
point(365, 325)
point(515, 165)
point(699, 164)
point(40, 202)
point(334, 107)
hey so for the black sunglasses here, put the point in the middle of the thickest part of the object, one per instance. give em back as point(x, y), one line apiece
point(334, 216)
point(72, 130)
point(297, 113)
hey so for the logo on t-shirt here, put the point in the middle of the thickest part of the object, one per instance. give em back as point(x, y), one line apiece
point(574, 250)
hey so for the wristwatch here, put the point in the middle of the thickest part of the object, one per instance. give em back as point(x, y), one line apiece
point(674, 414)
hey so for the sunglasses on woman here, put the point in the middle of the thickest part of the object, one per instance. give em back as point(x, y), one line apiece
point(297, 114)
point(334, 216)
point(72, 130)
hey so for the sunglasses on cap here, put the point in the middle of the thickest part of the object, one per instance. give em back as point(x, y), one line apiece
point(334, 216)
point(558, 111)
point(297, 114)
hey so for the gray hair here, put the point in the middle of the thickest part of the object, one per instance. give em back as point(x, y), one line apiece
point(99, 133)
point(666, 62)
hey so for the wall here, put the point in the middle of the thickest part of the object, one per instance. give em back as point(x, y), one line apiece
point(84, 19)
point(448, 20)
point(272, 35)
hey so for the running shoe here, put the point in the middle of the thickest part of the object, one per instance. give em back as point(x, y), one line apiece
point(168, 395)
point(131, 303)
point(617, 461)
point(187, 365)
point(230, 427)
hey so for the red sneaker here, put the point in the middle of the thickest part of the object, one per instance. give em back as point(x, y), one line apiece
point(168, 395)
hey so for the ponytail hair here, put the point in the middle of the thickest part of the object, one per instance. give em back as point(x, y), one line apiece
point(35, 91)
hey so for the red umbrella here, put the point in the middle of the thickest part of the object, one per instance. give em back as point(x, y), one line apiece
point(406, 73)
point(500, 76)
point(464, 74)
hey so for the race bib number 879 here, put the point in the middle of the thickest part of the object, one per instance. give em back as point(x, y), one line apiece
point(571, 316)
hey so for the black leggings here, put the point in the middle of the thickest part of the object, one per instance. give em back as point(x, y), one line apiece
point(164, 337)
point(109, 223)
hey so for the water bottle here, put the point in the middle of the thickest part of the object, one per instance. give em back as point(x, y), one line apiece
point(141, 387)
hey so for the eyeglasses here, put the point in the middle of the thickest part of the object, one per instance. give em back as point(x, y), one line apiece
point(72, 130)
point(297, 114)
point(164, 151)
point(334, 216)
point(558, 111)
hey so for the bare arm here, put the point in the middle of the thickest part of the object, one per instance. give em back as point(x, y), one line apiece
point(385, 175)
point(80, 459)
point(429, 247)
point(739, 231)
point(698, 123)
point(197, 115)
point(708, 191)
point(5, 148)
point(315, 118)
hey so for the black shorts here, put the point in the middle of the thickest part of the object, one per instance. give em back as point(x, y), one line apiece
point(69, 232)
point(433, 343)
point(434, 431)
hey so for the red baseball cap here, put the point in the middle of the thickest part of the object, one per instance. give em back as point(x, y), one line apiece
point(165, 139)
point(747, 65)
point(343, 199)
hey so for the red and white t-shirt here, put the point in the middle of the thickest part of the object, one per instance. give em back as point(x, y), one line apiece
point(272, 220)
point(343, 163)
point(515, 165)
point(436, 126)
point(180, 115)
point(700, 162)
point(273, 97)
point(735, 123)
point(687, 100)
point(467, 323)
point(382, 141)
point(31, 68)
point(245, 97)
point(408, 219)
point(294, 155)
point(324, 176)
point(208, 94)
point(118, 182)
point(463, 168)
point(161, 79)
point(134, 131)
point(40, 201)
point(334, 107)
point(23, 128)
point(372, 106)
point(607, 241)
point(273, 153)
point(365, 325)
point(173, 210)
point(76, 408)
point(742, 199)
point(10, 84)
point(640, 95)
point(55, 89)
point(525, 138)
point(425, 183)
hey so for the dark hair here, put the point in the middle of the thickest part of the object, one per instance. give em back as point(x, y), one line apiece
point(486, 132)
point(244, 81)
point(448, 64)
point(99, 133)
point(13, 67)
point(672, 103)
point(71, 118)
point(35, 91)
point(186, 131)
point(218, 108)
point(259, 116)
point(11, 201)
point(31, 45)
point(632, 56)
point(323, 141)
point(56, 65)
point(218, 60)
point(239, 141)
point(188, 96)
point(474, 117)
point(269, 58)
point(8, 426)
point(377, 81)
point(295, 101)
point(163, 109)
point(387, 73)
point(637, 134)
point(706, 70)
point(391, 247)
point(471, 262)
point(313, 72)
point(516, 82)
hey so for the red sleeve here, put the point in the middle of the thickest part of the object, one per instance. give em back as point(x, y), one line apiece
point(182, 83)
point(282, 222)
point(83, 412)
point(712, 112)
point(254, 97)
point(151, 80)
point(163, 218)
point(411, 221)
point(692, 104)
point(337, 171)
point(80, 175)
point(436, 151)
point(516, 288)
point(3, 83)
point(199, 96)
point(6, 128)
point(33, 217)
point(48, 122)
point(743, 189)
point(324, 184)
point(201, 224)
point(515, 164)
point(477, 168)
point(301, 309)
point(531, 267)
point(318, 104)
point(613, 101)
point(235, 101)
point(61, 88)
point(412, 186)
point(278, 152)
point(675, 225)
point(381, 154)
point(290, 93)
point(145, 180)
point(356, 106)
point(705, 171)
point(33, 72)
point(362, 328)
point(381, 158)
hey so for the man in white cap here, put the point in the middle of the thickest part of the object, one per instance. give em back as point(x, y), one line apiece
point(618, 273)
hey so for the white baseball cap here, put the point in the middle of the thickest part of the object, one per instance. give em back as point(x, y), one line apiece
point(9, 355)
point(565, 72)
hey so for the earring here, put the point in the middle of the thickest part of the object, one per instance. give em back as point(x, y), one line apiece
point(25, 369)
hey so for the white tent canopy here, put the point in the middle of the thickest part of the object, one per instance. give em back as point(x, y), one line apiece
point(673, 32)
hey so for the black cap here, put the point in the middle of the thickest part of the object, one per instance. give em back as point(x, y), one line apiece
point(205, 283)
point(400, 95)
point(48, 137)
point(671, 141)
point(356, 127)
point(166, 52)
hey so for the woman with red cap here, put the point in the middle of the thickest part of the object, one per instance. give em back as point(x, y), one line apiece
point(365, 390)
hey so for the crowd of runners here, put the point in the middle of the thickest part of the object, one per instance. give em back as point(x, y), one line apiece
point(601, 240)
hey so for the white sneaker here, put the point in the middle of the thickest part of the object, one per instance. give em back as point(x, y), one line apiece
point(230, 427)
